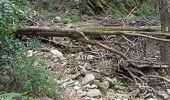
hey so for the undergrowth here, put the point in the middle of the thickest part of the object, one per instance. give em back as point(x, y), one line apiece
point(21, 75)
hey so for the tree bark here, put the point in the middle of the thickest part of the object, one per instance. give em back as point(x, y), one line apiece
point(165, 28)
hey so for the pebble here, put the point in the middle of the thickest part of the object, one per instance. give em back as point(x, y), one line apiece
point(76, 87)
point(30, 53)
point(94, 93)
point(168, 91)
point(57, 53)
point(82, 93)
point(164, 96)
point(75, 75)
point(89, 78)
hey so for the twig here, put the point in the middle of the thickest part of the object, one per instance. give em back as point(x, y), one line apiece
point(159, 77)
point(109, 49)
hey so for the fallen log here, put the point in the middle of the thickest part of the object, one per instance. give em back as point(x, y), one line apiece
point(142, 28)
point(80, 35)
point(56, 32)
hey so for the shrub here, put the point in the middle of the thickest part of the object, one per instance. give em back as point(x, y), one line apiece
point(144, 10)
point(26, 74)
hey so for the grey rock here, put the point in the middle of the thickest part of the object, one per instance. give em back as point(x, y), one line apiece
point(89, 78)
point(168, 91)
point(75, 75)
point(58, 18)
point(57, 53)
point(164, 96)
point(94, 93)
point(76, 87)
point(67, 82)
point(82, 93)
point(151, 99)
point(87, 98)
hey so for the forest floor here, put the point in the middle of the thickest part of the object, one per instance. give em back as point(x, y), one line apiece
point(89, 72)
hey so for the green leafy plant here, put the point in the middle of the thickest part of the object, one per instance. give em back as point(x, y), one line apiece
point(27, 75)
point(14, 96)
point(13, 11)
point(145, 10)
point(70, 19)
point(119, 85)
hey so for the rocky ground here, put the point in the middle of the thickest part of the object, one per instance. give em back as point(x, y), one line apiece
point(88, 72)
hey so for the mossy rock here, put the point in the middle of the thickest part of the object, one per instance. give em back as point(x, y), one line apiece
point(102, 87)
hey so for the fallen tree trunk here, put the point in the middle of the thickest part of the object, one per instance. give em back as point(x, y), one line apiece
point(56, 32)
point(80, 35)
point(142, 28)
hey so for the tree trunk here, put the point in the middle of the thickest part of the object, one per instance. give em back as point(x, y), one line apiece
point(165, 27)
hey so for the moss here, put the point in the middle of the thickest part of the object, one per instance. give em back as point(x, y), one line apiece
point(102, 87)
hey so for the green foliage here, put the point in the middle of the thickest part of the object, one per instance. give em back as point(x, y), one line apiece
point(32, 76)
point(47, 5)
point(27, 74)
point(33, 43)
point(116, 8)
point(91, 7)
point(144, 10)
point(70, 19)
point(74, 50)
point(14, 96)
point(119, 85)
point(13, 11)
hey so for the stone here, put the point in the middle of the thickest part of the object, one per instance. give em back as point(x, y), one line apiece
point(102, 87)
point(75, 76)
point(76, 87)
point(87, 98)
point(94, 93)
point(58, 18)
point(98, 76)
point(68, 82)
point(84, 66)
point(76, 83)
point(122, 99)
point(168, 91)
point(57, 53)
point(30, 53)
point(82, 93)
point(93, 86)
point(164, 96)
point(151, 99)
point(90, 57)
point(89, 78)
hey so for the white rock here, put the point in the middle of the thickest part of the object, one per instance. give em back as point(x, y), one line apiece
point(151, 99)
point(69, 82)
point(76, 87)
point(76, 83)
point(94, 93)
point(89, 78)
point(168, 91)
point(30, 53)
point(81, 93)
point(164, 96)
point(93, 86)
point(57, 53)
point(90, 57)
point(58, 18)
point(75, 75)
point(87, 86)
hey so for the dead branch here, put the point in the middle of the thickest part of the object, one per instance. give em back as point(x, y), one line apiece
point(143, 28)
point(93, 42)
point(158, 77)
